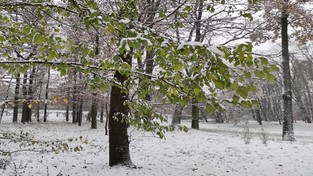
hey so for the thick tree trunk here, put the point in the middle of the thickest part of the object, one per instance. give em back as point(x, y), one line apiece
point(288, 133)
point(118, 136)
point(16, 98)
point(46, 97)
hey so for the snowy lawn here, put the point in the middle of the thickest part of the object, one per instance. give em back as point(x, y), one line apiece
point(216, 149)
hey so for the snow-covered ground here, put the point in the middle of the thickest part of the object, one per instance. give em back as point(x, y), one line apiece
point(216, 149)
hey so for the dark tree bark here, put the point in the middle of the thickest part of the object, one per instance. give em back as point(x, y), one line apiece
point(195, 108)
point(118, 136)
point(30, 93)
point(16, 98)
point(288, 133)
point(94, 106)
point(46, 97)
point(107, 118)
point(80, 110)
point(101, 112)
point(94, 110)
point(74, 109)
point(195, 115)
point(258, 116)
point(67, 114)
point(25, 99)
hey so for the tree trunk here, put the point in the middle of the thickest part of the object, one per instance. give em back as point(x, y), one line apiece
point(67, 114)
point(258, 116)
point(30, 93)
point(94, 105)
point(118, 136)
point(5, 99)
point(25, 99)
point(195, 115)
point(101, 111)
point(46, 97)
point(219, 117)
point(80, 101)
point(74, 109)
point(107, 118)
point(39, 98)
point(195, 108)
point(176, 120)
point(94, 109)
point(288, 133)
point(80, 110)
point(16, 97)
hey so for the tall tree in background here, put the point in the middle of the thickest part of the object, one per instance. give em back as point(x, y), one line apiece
point(46, 97)
point(195, 108)
point(25, 99)
point(16, 97)
point(288, 133)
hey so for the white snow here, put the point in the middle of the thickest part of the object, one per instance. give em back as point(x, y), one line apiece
point(192, 44)
point(217, 51)
point(216, 149)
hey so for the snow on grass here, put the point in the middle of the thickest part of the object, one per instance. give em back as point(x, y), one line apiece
point(216, 149)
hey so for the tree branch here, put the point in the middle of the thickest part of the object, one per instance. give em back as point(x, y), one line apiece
point(25, 4)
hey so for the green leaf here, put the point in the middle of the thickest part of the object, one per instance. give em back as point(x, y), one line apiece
point(242, 91)
point(178, 66)
point(264, 61)
point(38, 39)
point(219, 85)
point(209, 107)
point(52, 54)
point(252, 88)
point(235, 100)
point(248, 15)
point(197, 90)
point(270, 77)
point(85, 51)
point(234, 85)
point(274, 67)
